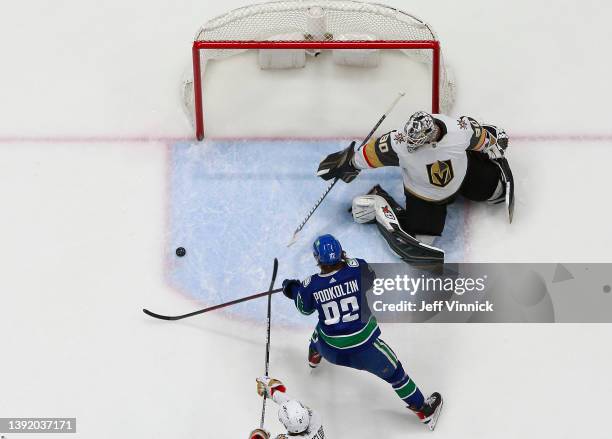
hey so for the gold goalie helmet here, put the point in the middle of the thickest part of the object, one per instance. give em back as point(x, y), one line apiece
point(420, 130)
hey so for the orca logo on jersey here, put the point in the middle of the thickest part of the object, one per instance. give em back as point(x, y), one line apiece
point(352, 263)
point(440, 173)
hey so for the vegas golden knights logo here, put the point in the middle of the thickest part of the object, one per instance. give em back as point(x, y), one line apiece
point(440, 173)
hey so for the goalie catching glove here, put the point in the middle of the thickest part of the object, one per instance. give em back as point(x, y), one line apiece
point(339, 165)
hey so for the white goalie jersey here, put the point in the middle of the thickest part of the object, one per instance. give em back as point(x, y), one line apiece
point(432, 172)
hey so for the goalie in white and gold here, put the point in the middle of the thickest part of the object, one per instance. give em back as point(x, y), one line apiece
point(440, 158)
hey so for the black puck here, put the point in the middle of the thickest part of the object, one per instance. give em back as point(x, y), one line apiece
point(180, 252)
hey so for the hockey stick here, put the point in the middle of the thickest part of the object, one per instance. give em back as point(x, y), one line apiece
point(509, 178)
point(212, 308)
point(333, 183)
point(504, 167)
point(267, 363)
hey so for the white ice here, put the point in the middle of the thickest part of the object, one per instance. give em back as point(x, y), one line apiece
point(91, 119)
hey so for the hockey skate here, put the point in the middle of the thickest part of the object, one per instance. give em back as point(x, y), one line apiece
point(314, 358)
point(429, 413)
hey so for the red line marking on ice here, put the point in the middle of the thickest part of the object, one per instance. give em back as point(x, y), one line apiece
point(522, 138)
point(561, 138)
point(93, 139)
point(162, 139)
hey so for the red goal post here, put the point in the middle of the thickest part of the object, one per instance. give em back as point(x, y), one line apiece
point(432, 45)
point(346, 28)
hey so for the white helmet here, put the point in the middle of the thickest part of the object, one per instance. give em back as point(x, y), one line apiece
point(420, 130)
point(294, 416)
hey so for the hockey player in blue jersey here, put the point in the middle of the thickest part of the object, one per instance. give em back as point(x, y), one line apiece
point(347, 333)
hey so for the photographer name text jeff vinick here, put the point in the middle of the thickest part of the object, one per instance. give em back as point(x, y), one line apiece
point(436, 306)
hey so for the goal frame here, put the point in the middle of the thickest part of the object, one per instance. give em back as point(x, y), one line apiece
point(202, 45)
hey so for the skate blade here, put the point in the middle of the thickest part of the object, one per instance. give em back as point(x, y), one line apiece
point(434, 417)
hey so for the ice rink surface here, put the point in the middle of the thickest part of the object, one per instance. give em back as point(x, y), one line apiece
point(228, 216)
point(100, 181)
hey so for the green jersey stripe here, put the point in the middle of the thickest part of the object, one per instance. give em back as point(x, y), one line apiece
point(299, 303)
point(378, 346)
point(382, 342)
point(406, 390)
point(388, 349)
point(350, 340)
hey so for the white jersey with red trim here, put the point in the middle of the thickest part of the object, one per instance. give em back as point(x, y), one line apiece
point(432, 172)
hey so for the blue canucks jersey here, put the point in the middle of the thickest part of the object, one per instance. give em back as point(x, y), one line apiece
point(345, 320)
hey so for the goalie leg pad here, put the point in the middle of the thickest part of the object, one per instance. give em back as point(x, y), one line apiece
point(408, 248)
point(499, 196)
point(364, 208)
point(426, 239)
point(375, 208)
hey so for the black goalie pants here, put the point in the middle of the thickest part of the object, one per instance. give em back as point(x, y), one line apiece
point(425, 217)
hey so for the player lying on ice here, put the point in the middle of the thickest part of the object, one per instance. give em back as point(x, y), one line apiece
point(347, 333)
point(299, 420)
point(439, 157)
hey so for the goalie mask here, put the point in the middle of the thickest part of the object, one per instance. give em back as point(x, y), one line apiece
point(294, 416)
point(420, 130)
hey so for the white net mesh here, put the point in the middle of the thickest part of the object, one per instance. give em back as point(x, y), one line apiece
point(323, 20)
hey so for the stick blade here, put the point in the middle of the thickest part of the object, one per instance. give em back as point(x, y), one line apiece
point(294, 238)
point(158, 316)
point(274, 272)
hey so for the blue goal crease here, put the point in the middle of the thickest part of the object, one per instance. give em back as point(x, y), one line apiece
point(235, 204)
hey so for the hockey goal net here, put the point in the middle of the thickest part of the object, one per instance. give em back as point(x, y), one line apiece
point(286, 32)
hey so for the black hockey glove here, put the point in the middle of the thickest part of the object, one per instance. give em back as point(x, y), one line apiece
point(339, 165)
point(288, 287)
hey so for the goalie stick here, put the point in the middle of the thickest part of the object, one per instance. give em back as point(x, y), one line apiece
point(333, 183)
point(504, 166)
point(509, 178)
